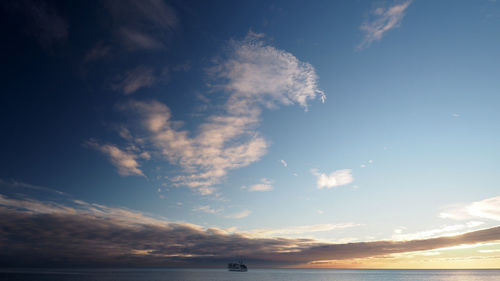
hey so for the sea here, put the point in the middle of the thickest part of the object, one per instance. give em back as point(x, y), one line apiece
point(252, 274)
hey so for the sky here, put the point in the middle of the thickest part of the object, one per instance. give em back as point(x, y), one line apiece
point(316, 134)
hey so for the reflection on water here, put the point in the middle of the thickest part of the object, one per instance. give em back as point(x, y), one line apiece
point(254, 275)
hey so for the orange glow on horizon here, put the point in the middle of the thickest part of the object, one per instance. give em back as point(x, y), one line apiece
point(478, 256)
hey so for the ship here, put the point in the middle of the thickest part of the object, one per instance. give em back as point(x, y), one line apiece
point(237, 266)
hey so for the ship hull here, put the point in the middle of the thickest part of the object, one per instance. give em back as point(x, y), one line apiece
point(239, 270)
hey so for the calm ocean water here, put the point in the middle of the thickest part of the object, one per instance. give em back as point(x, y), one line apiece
point(253, 274)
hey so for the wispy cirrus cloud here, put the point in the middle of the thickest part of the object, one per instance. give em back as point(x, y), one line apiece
point(134, 25)
point(142, 24)
point(42, 20)
point(135, 39)
point(239, 215)
point(139, 77)
point(381, 21)
point(336, 178)
point(99, 51)
point(256, 76)
point(77, 233)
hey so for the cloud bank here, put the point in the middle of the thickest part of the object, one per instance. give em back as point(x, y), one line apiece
point(77, 233)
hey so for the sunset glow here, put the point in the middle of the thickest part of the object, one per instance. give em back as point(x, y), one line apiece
point(289, 134)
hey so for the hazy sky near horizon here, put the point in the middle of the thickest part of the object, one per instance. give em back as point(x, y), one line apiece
point(286, 126)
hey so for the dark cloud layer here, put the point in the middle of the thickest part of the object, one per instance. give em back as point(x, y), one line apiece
point(34, 233)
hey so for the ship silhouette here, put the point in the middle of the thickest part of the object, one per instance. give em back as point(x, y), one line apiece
point(237, 266)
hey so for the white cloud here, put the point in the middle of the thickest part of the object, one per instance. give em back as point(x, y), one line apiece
point(257, 76)
point(364, 165)
point(456, 115)
point(485, 209)
point(145, 155)
point(382, 20)
point(283, 162)
point(206, 209)
point(447, 230)
point(124, 161)
point(261, 187)
point(207, 157)
point(260, 74)
point(240, 215)
point(336, 178)
point(430, 253)
point(265, 185)
point(398, 230)
point(205, 190)
point(489, 251)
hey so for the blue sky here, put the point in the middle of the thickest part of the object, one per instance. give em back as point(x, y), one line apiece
point(337, 121)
